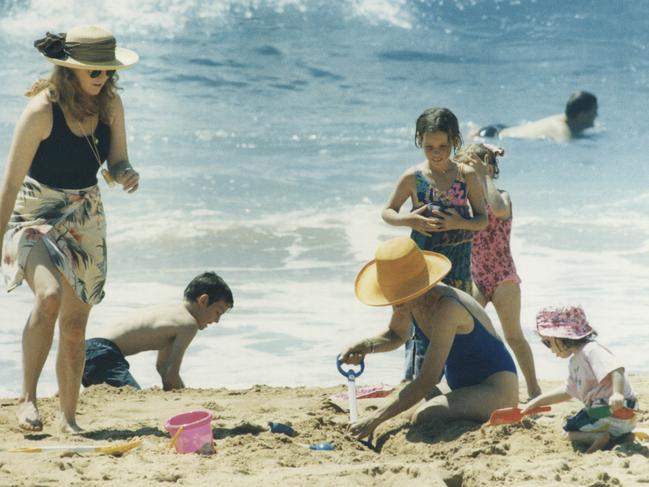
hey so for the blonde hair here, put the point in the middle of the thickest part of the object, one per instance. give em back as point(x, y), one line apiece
point(479, 151)
point(63, 88)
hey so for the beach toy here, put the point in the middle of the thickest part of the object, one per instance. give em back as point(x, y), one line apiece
point(106, 450)
point(641, 434)
point(365, 393)
point(351, 386)
point(281, 428)
point(191, 431)
point(513, 415)
point(322, 446)
point(605, 411)
point(174, 438)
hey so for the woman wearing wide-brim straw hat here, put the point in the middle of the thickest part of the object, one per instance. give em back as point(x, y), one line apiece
point(51, 215)
point(463, 345)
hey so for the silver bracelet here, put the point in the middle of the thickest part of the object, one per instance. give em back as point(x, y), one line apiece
point(371, 345)
point(118, 168)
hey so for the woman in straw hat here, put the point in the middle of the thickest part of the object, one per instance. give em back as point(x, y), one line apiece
point(51, 215)
point(463, 344)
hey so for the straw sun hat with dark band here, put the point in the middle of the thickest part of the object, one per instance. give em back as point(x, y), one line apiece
point(85, 47)
point(400, 272)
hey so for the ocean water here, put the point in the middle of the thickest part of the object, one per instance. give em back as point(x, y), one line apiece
point(270, 133)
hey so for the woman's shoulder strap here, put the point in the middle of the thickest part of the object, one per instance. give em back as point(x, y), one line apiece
point(57, 112)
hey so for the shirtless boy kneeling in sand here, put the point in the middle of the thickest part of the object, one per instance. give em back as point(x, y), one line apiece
point(169, 329)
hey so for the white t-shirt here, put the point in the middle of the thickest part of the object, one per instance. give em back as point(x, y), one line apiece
point(589, 378)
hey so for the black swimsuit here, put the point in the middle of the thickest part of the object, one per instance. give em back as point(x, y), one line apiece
point(65, 160)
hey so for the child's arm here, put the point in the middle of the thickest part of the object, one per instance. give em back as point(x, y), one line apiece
point(450, 219)
point(616, 401)
point(170, 358)
point(499, 201)
point(552, 397)
point(401, 193)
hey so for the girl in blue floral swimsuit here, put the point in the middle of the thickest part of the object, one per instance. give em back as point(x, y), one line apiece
point(448, 206)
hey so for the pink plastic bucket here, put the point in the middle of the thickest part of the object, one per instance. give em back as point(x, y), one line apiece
point(196, 433)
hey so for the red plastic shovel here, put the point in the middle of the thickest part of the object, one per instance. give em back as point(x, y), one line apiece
point(513, 415)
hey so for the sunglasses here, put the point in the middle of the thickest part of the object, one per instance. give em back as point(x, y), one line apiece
point(96, 72)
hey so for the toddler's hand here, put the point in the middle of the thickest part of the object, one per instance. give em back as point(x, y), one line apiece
point(616, 401)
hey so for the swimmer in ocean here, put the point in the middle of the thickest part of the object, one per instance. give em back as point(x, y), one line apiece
point(580, 114)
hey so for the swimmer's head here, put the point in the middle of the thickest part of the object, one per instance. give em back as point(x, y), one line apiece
point(469, 153)
point(581, 110)
point(439, 120)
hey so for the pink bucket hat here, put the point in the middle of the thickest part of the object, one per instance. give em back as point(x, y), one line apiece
point(569, 322)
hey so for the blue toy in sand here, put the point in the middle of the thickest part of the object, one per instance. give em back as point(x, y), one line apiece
point(324, 446)
point(281, 428)
point(351, 374)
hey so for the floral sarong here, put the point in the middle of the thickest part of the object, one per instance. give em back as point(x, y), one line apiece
point(72, 226)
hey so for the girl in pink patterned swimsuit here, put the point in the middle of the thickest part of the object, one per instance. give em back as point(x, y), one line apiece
point(494, 273)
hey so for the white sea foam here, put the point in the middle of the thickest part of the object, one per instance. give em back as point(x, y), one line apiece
point(163, 17)
point(168, 18)
point(384, 11)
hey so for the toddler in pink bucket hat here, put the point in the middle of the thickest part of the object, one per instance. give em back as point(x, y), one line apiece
point(596, 377)
point(567, 322)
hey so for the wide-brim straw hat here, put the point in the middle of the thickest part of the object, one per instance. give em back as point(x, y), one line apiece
point(563, 322)
point(86, 47)
point(400, 272)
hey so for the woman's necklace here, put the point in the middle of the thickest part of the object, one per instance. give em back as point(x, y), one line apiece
point(92, 143)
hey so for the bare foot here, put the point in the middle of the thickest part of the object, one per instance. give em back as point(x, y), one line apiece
point(600, 442)
point(532, 393)
point(69, 427)
point(28, 417)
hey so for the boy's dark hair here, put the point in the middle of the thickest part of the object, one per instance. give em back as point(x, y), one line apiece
point(579, 102)
point(211, 284)
point(439, 120)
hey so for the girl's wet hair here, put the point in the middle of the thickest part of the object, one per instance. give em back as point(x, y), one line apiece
point(480, 151)
point(439, 120)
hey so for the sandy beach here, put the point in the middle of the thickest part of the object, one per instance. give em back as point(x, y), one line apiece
point(457, 454)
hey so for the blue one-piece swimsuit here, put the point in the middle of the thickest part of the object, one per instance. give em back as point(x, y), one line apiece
point(475, 356)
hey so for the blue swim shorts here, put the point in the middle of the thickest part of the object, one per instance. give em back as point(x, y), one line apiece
point(105, 364)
